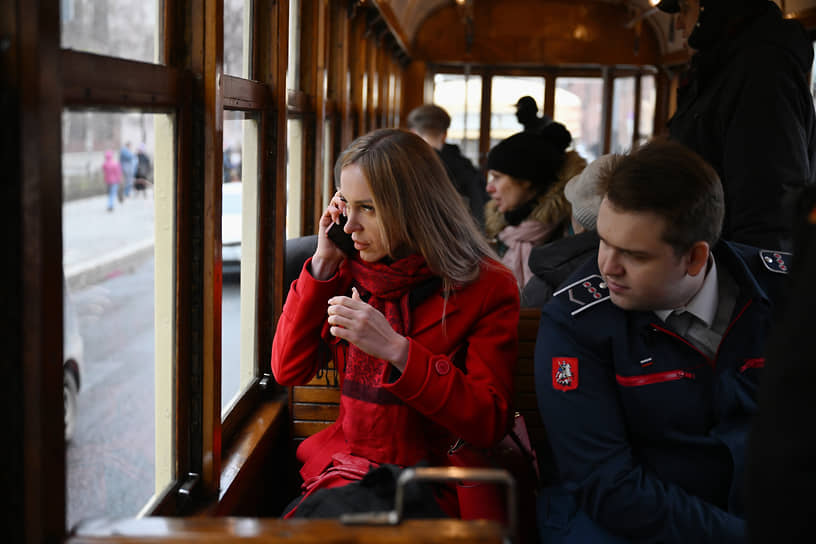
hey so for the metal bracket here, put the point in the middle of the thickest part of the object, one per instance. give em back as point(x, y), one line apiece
point(187, 490)
point(442, 474)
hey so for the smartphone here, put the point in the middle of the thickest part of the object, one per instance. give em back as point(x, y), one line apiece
point(340, 237)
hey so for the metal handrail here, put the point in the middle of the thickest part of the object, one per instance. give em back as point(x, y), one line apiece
point(442, 474)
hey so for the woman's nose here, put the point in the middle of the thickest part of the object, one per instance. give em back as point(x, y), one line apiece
point(351, 223)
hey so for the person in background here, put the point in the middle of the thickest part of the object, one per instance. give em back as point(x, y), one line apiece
point(527, 115)
point(647, 364)
point(112, 173)
point(780, 476)
point(128, 162)
point(552, 263)
point(144, 170)
point(525, 180)
point(431, 122)
point(745, 106)
point(419, 317)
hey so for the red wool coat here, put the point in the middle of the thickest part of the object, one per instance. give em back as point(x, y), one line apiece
point(457, 382)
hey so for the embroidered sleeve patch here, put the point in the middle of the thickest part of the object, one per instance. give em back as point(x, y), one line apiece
point(584, 294)
point(776, 261)
point(564, 373)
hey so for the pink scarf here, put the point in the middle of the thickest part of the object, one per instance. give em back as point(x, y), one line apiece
point(520, 240)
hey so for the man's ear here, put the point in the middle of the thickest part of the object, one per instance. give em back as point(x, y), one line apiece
point(697, 258)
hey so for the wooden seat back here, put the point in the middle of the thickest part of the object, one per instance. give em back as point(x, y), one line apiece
point(315, 406)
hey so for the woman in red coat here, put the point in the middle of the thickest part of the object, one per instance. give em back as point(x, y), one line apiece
point(420, 318)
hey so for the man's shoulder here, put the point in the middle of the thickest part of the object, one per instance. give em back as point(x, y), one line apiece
point(582, 299)
point(767, 268)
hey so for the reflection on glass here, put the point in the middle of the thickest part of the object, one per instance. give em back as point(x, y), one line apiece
point(294, 177)
point(648, 98)
point(623, 114)
point(461, 97)
point(237, 36)
point(239, 237)
point(504, 94)
point(118, 28)
point(117, 262)
point(293, 68)
point(578, 105)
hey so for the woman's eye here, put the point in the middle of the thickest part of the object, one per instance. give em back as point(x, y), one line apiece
point(367, 208)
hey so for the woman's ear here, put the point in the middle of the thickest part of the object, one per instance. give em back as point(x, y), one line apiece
point(697, 258)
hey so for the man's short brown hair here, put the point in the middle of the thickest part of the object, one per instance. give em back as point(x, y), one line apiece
point(429, 118)
point(671, 180)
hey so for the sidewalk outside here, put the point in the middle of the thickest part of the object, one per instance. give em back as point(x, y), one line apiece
point(99, 244)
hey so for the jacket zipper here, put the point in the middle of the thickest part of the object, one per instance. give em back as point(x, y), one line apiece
point(658, 377)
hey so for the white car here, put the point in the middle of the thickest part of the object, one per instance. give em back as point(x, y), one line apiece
point(231, 228)
point(73, 352)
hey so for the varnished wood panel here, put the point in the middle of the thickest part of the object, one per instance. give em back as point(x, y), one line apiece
point(534, 32)
point(274, 531)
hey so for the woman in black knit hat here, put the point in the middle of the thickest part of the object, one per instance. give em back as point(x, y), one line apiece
point(525, 180)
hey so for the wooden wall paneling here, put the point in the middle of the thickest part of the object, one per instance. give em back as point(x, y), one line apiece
point(606, 108)
point(307, 113)
point(484, 118)
point(548, 108)
point(32, 281)
point(207, 60)
point(636, 120)
point(412, 87)
point(372, 79)
point(358, 75)
point(662, 89)
point(339, 87)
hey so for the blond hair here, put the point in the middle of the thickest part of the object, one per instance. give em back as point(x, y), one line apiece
point(418, 208)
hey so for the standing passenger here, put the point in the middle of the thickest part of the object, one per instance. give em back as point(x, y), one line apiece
point(648, 363)
point(525, 180)
point(128, 162)
point(421, 320)
point(431, 123)
point(746, 108)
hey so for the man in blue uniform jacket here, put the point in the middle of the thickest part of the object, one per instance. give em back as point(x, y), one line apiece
point(648, 362)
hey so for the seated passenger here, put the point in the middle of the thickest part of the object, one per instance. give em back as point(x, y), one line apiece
point(552, 263)
point(421, 321)
point(648, 363)
point(431, 123)
point(525, 180)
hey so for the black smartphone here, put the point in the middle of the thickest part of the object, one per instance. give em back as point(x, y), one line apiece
point(340, 237)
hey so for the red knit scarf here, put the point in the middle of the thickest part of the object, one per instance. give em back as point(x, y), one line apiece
point(387, 287)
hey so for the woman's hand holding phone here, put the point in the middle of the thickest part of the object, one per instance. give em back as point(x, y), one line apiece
point(328, 256)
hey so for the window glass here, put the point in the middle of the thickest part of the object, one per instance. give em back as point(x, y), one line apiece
point(648, 98)
point(294, 178)
point(237, 37)
point(293, 68)
point(118, 28)
point(623, 114)
point(813, 76)
point(118, 224)
point(239, 244)
point(504, 94)
point(461, 97)
point(579, 106)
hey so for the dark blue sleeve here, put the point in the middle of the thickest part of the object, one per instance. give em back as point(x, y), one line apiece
point(587, 431)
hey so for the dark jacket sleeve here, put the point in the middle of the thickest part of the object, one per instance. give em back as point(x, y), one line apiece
point(768, 150)
point(588, 433)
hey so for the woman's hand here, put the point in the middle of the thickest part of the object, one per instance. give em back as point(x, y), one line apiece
point(364, 326)
point(328, 256)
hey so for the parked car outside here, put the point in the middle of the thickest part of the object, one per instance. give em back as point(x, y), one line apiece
point(73, 353)
point(231, 228)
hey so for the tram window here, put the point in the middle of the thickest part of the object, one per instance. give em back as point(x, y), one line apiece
point(813, 76)
point(293, 67)
point(578, 105)
point(648, 99)
point(118, 254)
point(237, 37)
point(119, 28)
point(239, 249)
point(623, 114)
point(461, 96)
point(505, 92)
point(294, 176)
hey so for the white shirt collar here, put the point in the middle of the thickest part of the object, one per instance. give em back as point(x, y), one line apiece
point(703, 305)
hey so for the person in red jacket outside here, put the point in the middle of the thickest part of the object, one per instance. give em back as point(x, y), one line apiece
point(420, 317)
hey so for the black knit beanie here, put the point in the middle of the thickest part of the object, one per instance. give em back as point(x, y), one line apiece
point(536, 158)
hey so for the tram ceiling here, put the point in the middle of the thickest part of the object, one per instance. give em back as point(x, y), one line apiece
point(531, 31)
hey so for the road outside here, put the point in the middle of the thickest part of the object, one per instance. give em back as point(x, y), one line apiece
point(110, 470)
